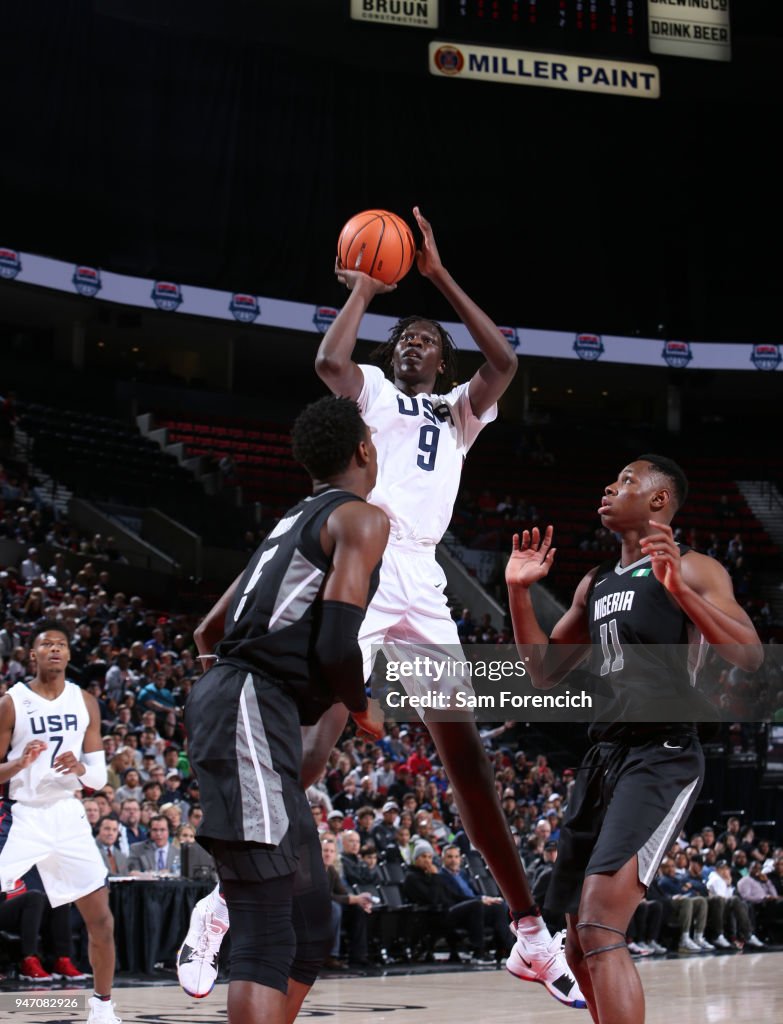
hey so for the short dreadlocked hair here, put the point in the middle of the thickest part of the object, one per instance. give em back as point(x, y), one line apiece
point(325, 435)
point(448, 350)
point(674, 473)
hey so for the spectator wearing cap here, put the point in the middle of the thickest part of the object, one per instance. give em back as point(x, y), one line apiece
point(172, 791)
point(335, 820)
point(31, 568)
point(383, 833)
point(348, 801)
point(509, 804)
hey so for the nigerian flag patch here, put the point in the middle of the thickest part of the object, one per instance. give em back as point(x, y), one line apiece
point(642, 572)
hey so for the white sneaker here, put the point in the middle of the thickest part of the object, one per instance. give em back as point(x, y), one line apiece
point(645, 948)
point(657, 948)
point(722, 942)
point(636, 949)
point(101, 1012)
point(197, 959)
point(754, 940)
point(545, 963)
point(702, 943)
point(687, 945)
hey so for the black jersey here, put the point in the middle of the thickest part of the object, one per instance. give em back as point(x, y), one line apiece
point(272, 620)
point(643, 647)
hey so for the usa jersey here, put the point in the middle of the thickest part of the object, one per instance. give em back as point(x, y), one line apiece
point(61, 724)
point(644, 649)
point(422, 441)
point(272, 621)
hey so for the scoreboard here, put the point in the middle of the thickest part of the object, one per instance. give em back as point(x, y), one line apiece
point(621, 29)
point(608, 27)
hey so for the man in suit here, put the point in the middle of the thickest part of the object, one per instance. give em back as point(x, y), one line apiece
point(462, 887)
point(108, 843)
point(155, 853)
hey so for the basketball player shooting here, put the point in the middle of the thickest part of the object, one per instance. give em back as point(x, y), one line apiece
point(424, 428)
point(638, 784)
point(50, 746)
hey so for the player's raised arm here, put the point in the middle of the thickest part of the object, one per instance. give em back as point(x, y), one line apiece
point(530, 561)
point(494, 376)
point(333, 362)
point(703, 589)
point(359, 533)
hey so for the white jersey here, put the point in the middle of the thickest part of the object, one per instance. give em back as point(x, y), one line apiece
point(61, 724)
point(422, 441)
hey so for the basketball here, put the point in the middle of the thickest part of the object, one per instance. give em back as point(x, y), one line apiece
point(378, 243)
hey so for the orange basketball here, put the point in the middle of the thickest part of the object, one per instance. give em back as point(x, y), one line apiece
point(378, 243)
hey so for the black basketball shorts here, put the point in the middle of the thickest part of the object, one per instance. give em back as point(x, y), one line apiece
point(245, 747)
point(627, 801)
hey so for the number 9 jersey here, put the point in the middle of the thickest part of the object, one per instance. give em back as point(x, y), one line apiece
point(61, 724)
point(422, 441)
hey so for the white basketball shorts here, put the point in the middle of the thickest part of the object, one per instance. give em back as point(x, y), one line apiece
point(57, 839)
point(409, 616)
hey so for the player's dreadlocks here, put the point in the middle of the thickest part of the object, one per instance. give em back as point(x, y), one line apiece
point(383, 353)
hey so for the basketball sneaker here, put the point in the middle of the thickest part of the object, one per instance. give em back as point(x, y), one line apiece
point(101, 1011)
point(544, 962)
point(197, 960)
point(66, 970)
point(31, 969)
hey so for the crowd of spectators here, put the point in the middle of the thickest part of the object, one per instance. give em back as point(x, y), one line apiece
point(391, 833)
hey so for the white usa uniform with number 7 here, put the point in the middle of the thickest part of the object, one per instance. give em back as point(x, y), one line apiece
point(49, 828)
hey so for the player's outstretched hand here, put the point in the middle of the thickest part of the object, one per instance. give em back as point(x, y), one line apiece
point(427, 257)
point(31, 752)
point(531, 557)
point(664, 556)
point(370, 722)
point(353, 278)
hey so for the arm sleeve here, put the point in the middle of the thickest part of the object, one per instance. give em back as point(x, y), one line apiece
point(95, 774)
point(338, 654)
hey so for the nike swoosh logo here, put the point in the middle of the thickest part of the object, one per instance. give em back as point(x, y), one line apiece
point(670, 746)
point(598, 584)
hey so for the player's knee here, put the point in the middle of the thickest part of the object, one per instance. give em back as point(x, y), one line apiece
point(101, 926)
point(598, 940)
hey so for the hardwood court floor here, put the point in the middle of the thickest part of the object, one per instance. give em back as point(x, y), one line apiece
point(742, 989)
